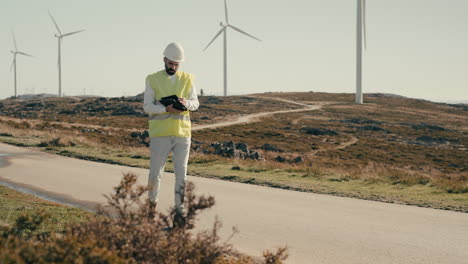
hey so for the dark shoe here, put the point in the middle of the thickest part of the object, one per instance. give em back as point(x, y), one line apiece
point(181, 222)
point(152, 210)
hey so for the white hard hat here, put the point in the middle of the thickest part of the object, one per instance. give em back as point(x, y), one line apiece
point(174, 52)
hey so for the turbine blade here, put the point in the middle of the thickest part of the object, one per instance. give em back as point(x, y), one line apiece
point(71, 33)
point(25, 54)
point(226, 11)
point(55, 23)
point(14, 40)
point(217, 34)
point(243, 32)
point(12, 63)
point(364, 23)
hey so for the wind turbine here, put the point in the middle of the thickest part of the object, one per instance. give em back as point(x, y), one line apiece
point(223, 30)
point(13, 64)
point(360, 31)
point(59, 37)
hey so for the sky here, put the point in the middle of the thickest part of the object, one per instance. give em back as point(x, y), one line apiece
point(415, 48)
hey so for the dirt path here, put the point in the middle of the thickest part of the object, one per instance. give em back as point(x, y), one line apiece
point(256, 117)
point(344, 145)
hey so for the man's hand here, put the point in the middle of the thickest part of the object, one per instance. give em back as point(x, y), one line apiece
point(171, 109)
point(183, 101)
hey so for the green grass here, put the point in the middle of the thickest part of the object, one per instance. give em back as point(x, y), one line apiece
point(14, 204)
point(318, 181)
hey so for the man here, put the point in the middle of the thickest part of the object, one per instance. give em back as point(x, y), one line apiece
point(169, 128)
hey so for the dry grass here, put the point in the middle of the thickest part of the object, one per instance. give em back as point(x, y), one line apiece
point(389, 140)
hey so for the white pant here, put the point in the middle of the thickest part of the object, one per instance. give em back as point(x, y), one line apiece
point(160, 148)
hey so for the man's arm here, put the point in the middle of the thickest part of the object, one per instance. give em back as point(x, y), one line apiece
point(192, 102)
point(149, 106)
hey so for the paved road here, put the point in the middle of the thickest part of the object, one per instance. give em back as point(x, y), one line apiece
point(317, 228)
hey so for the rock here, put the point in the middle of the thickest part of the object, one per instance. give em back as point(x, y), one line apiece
point(255, 155)
point(197, 148)
point(280, 159)
point(229, 144)
point(91, 130)
point(142, 136)
point(298, 159)
point(242, 146)
point(232, 150)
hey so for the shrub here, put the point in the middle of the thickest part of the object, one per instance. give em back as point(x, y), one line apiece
point(452, 183)
point(319, 131)
point(56, 142)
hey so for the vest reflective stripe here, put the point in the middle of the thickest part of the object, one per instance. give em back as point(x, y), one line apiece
point(170, 124)
point(173, 116)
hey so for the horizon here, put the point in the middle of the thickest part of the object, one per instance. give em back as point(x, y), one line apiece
point(415, 49)
point(46, 95)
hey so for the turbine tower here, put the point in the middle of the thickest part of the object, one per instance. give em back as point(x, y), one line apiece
point(13, 64)
point(59, 37)
point(223, 30)
point(360, 31)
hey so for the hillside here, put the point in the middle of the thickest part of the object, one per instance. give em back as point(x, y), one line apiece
point(341, 148)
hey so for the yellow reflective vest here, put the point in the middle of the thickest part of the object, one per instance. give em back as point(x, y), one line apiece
point(170, 124)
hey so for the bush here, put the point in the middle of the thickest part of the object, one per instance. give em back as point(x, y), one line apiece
point(56, 142)
point(319, 131)
point(123, 232)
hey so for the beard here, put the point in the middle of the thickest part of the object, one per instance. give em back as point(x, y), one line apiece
point(169, 70)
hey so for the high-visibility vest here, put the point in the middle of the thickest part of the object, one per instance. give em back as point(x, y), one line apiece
point(170, 124)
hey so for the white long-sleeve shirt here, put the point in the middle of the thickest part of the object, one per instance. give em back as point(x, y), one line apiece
point(151, 106)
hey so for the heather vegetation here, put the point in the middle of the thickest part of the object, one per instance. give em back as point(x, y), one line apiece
point(122, 232)
point(391, 149)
